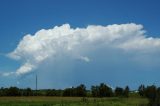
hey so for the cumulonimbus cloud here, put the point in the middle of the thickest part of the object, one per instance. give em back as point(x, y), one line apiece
point(77, 42)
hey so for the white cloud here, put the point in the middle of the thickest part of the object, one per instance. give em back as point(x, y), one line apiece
point(142, 43)
point(26, 68)
point(86, 59)
point(78, 42)
point(7, 74)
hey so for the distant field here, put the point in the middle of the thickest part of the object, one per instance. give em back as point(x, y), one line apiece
point(71, 101)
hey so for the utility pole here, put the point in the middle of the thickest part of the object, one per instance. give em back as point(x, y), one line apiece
point(36, 85)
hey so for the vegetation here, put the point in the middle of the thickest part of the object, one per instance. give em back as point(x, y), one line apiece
point(98, 95)
point(71, 101)
point(101, 91)
point(152, 93)
point(120, 92)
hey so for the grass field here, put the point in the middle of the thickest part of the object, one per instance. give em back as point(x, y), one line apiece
point(71, 101)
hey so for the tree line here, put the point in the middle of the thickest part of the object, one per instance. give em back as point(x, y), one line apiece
point(152, 93)
point(101, 90)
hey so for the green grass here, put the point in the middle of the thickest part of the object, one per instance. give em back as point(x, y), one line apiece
point(70, 101)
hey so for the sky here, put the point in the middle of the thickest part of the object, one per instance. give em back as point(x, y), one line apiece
point(69, 42)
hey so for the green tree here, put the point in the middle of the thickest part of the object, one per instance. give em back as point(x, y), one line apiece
point(126, 92)
point(119, 91)
point(141, 90)
point(51, 92)
point(151, 94)
point(81, 90)
point(105, 91)
point(13, 91)
point(68, 92)
point(95, 91)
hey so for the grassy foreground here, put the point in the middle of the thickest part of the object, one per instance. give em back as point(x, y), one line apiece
point(71, 101)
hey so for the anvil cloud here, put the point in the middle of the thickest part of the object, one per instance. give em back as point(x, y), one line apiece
point(77, 43)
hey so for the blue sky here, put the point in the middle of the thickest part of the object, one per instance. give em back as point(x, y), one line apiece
point(18, 18)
